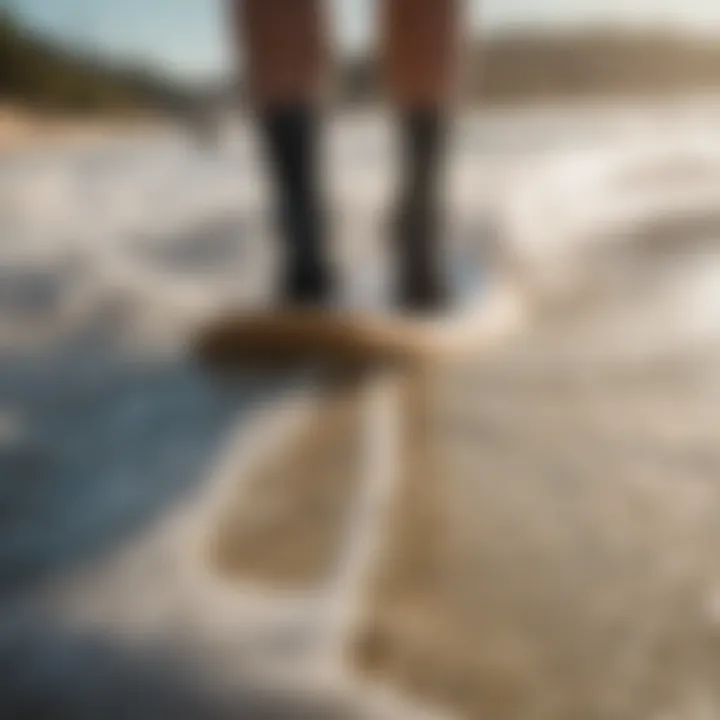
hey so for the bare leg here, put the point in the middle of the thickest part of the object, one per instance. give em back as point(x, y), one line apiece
point(420, 52)
point(285, 54)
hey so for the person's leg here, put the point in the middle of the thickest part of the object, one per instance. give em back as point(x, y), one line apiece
point(420, 53)
point(285, 52)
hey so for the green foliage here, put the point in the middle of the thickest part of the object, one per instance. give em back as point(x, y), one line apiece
point(35, 72)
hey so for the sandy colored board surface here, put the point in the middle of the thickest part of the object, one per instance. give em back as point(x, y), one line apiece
point(349, 337)
point(287, 527)
point(287, 336)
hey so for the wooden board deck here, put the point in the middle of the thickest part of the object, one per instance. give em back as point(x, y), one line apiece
point(297, 335)
point(355, 337)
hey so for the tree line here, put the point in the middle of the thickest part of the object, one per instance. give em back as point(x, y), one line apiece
point(40, 73)
point(516, 67)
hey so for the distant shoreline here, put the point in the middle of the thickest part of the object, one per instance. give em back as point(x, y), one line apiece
point(22, 129)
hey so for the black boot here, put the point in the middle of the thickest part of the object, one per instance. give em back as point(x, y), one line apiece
point(420, 267)
point(291, 139)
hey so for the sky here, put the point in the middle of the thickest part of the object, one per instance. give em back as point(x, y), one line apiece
point(189, 38)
